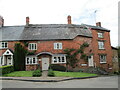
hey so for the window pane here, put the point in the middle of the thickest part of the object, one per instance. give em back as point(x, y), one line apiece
point(34, 61)
point(5, 44)
point(101, 45)
point(63, 60)
point(100, 35)
point(55, 59)
point(35, 46)
point(2, 44)
point(32, 46)
point(27, 60)
point(60, 45)
point(57, 45)
point(59, 59)
point(30, 60)
point(102, 58)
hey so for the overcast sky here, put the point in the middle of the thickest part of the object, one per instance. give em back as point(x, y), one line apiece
point(56, 12)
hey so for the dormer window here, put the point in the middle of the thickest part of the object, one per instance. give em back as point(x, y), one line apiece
point(100, 35)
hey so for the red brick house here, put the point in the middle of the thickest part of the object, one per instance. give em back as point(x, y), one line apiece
point(48, 42)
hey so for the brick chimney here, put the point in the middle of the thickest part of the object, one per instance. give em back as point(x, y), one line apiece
point(1, 21)
point(98, 24)
point(69, 19)
point(27, 21)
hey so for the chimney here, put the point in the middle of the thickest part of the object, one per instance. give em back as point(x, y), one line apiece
point(98, 24)
point(27, 21)
point(1, 21)
point(69, 19)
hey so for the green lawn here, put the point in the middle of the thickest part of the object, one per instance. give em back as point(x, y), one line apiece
point(57, 74)
point(72, 74)
point(19, 74)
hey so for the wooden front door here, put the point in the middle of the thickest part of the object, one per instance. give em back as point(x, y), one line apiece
point(45, 63)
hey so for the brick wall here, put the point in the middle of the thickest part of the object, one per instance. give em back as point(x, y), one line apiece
point(107, 50)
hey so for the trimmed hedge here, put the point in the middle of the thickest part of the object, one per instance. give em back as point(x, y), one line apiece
point(57, 67)
point(37, 73)
point(6, 69)
point(51, 73)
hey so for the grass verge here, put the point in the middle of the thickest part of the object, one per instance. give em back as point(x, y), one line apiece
point(73, 74)
point(19, 74)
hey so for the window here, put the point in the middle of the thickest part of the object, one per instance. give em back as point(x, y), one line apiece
point(100, 35)
point(3, 44)
point(32, 46)
point(57, 45)
point(59, 59)
point(31, 60)
point(101, 44)
point(55, 60)
point(102, 58)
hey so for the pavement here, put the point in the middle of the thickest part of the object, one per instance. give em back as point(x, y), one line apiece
point(44, 79)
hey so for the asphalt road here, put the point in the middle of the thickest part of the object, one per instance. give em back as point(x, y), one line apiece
point(99, 82)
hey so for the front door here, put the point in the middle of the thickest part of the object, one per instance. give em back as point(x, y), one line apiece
point(90, 61)
point(45, 63)
point(8, 60)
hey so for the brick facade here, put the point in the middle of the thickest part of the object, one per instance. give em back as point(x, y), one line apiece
point(107, 51)
point(73, 37)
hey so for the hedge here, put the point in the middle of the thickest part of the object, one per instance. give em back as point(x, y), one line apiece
point(57, 67)
point(6, 69)
point(51, 73)
point(37, 73)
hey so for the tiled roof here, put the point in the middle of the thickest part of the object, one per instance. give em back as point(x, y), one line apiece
point(53, 31)
point(45, 32)
point(96, 27)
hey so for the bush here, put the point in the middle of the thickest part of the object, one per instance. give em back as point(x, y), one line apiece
point(117, 73)
point(57, 67)
point(96, 70)
point(51, 73)
point(6, 69)
point(37, 73)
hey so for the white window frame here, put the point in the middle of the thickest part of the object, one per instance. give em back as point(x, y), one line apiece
point(57, 46)
point(57, 59)
point(32, 60)
point(102, 60)
point(101, 44)
point(2, 45)
point(34, 46)
point(100, 35)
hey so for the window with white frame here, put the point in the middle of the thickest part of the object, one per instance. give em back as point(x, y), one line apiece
point(100, 34)
point(57, 45)
point(102, 58)
point(3, 44)
point(59, 59)
point(32, 46)
point(31, 60)
point(101, 44)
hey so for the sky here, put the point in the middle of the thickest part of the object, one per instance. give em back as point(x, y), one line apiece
point(89, 12)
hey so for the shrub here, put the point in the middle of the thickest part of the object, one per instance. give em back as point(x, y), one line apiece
point(51, 73)
point(6, 69)
point(37, 73)
point(96, 70)
point(57, 67)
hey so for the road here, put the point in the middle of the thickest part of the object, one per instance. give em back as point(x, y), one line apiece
point(99, 82)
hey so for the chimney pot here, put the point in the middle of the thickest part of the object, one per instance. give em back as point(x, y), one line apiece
point(27, 20)
point(69, 19)
point(98, 24)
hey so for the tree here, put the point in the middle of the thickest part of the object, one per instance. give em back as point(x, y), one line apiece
point(19, 57)
point(72, 55)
